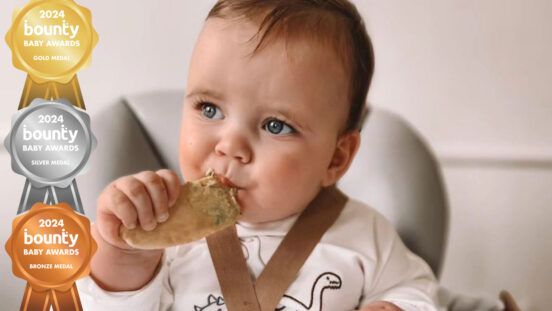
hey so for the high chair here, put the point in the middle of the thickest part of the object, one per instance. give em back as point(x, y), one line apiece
point(394, 171)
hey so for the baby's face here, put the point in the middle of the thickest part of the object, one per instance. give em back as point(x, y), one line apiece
point(268, 123)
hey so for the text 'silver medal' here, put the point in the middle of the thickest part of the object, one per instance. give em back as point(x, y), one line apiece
point(50, 143)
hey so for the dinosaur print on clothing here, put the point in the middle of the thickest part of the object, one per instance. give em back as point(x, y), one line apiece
point(327, 280)
point(251, 247)
point(213, 304)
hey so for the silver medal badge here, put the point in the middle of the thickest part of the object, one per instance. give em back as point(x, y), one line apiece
point(50, 143)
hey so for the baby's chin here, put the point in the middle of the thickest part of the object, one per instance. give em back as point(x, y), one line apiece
point(258, 215)
point(249, 211)
point(256, 219)
point(259, 219)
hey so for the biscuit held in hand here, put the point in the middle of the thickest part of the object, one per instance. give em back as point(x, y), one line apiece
point(203, 207)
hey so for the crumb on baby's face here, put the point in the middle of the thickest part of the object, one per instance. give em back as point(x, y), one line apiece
point(270, 122)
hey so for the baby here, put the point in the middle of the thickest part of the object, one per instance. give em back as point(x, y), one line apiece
point(275, 94)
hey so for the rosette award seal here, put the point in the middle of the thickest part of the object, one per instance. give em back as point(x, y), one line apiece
point(51, 40)
point(51, 248)
point(50, 143)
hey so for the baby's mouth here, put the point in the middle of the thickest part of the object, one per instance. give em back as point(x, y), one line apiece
point(227, 181)
point(223, 179)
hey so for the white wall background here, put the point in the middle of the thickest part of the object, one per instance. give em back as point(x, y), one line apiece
point(472, 76)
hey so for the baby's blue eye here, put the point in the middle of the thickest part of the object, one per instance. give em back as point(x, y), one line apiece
point(278, 127)
point(211, 111)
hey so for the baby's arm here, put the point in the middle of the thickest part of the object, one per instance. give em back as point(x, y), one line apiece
point(142, 200)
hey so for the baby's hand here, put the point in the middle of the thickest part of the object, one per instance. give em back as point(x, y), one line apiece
point(142, 200)
point(381, 306)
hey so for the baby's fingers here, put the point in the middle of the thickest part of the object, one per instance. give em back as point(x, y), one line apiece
point(108, 226)
point(158, 193)
point(137, 193)
point(172, 184)
point(115, 202)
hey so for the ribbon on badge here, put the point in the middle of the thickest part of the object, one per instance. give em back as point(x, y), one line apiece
point(50, 143)
point(51, 247)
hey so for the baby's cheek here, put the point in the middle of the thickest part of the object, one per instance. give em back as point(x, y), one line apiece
point(281, 170)
point(191, 154)
point(289, 179)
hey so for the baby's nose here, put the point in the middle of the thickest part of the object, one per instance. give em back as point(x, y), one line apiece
point(234, 145)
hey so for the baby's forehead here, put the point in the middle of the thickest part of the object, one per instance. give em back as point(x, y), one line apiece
point(291, 74)
point(247, 35)
point(230, 47)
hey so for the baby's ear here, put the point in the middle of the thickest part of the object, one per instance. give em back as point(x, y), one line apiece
point(344, 153)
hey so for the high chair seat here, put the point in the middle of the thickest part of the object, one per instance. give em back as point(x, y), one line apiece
point(394, 171)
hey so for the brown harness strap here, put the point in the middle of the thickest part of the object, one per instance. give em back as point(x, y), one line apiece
point(231, 269)
point(235, 282)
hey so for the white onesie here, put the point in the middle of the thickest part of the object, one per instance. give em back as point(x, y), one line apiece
point(359, 260)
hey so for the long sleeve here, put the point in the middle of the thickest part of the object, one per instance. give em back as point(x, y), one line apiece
point(156, 295)
point(401, 277)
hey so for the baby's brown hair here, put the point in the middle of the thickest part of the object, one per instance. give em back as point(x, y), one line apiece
point(334, 22)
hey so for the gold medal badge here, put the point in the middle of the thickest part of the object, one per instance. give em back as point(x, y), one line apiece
point(51, 247)
point(51, 40)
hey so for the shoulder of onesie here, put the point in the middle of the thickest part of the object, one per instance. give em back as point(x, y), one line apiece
point(359, 221)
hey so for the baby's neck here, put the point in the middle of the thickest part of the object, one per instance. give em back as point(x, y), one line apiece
point(267, 225)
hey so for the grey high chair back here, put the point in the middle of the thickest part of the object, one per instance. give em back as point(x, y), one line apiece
point(394, 171)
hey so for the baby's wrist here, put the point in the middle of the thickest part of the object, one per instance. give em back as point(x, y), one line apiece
point(117, 269)
point(122, 255)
